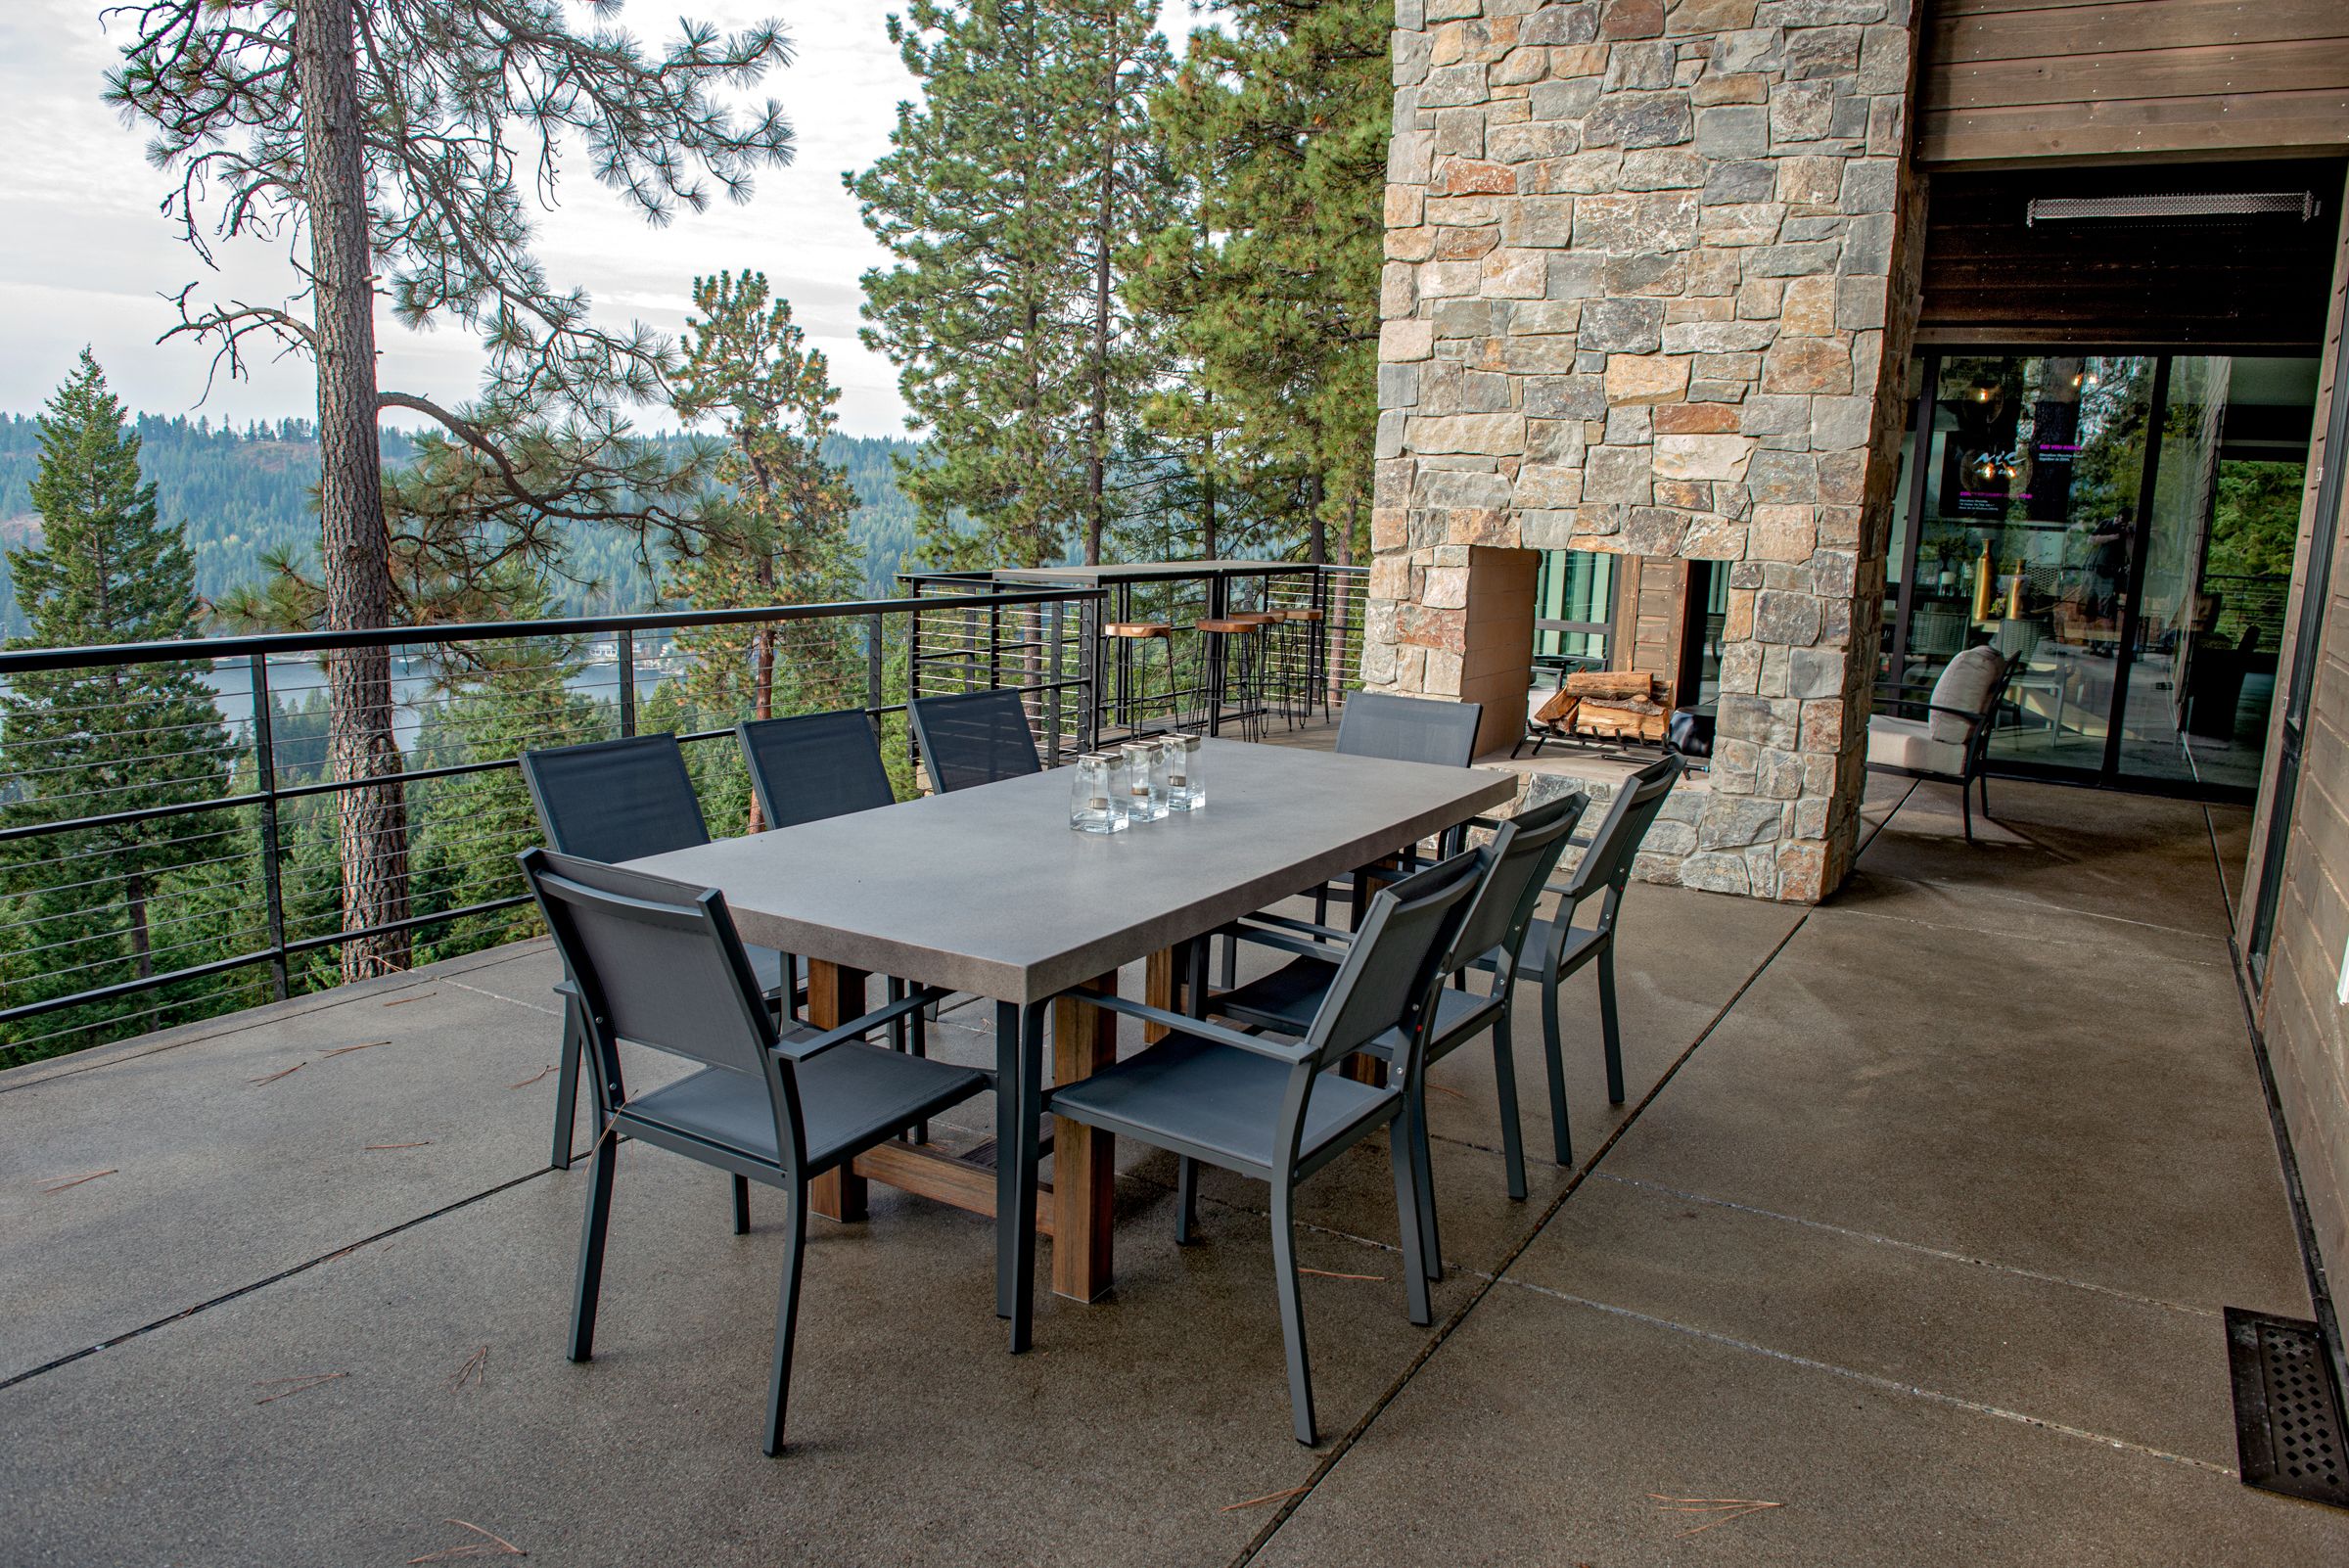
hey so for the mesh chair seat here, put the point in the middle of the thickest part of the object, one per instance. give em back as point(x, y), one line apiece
point(1216, 1099)
point(848, 1095)
point(1582, 941)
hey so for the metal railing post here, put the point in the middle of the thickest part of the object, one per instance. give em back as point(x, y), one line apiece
point(264, 768)
point(875, 629)
point(628, 682)
point(1090, 660)
point(1052, 623)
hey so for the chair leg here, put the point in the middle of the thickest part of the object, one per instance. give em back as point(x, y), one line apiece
point(590, 1280)
point(787, 1316)
point(1187, 1199)
point(1982, 783)
point(1504, 1082)
point(742, 1205)
point(1965, 808)
point(1423, 1174)
point(1411, 1205)
point(1321, 904)
point(1555, 1057)
point(1292, 1310)
point(1231, 962)
point(567, 1086)
point(1610, 1028)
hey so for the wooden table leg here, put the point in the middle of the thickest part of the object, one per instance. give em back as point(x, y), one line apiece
point(834, 996)
point(1160, 984)
point(1084, 1039)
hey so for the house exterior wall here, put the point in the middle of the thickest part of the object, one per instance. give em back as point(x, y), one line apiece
point(2008, 80)
point(1651, 278)
point(2298, 1003)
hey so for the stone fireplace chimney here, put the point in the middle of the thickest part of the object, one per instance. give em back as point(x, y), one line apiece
point(1641, 298)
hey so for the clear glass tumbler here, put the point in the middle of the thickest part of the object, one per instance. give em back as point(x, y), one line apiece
point(1146, 780)
point(1184, 790)
point(1093, 805)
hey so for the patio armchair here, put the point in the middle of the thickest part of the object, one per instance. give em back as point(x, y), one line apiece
point(658, 964)
point(619, 799)
point(1556, 948)
point(1399, 729)
point(1523, 852)
point(1273, 1110)
point(1950, 740)
point(814, 767)
point(974, 737)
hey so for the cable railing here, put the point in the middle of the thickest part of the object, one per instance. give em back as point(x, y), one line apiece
point(1139, 690)
point(179, 837)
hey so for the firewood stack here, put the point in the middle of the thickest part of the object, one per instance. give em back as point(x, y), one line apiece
point(1607, 704)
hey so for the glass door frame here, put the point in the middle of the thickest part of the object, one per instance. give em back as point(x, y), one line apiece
point(2109, 775)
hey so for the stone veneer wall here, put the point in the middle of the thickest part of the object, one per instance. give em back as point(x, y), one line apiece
point(1649, 289)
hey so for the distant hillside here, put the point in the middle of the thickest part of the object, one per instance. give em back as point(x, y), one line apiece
point(243, 491)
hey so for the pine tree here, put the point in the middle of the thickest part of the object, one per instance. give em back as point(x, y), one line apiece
point(404, 169)
point(1280, 123)
point(782, 537)
point(1008, 198)
point(89, 741)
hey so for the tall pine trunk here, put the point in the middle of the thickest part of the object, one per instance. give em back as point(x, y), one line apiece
point(1105, 214)
point(371, 823)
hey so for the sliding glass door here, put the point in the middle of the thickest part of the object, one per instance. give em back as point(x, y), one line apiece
point(2057, 507)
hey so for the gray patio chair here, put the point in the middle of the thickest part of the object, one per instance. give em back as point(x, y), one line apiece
point(1272, 1109)
point(619, 799)
point(1558, 947)
point(1400, 729)
point(658, 964)
point(1519, 859)
point(975, 737)
point(811, 767)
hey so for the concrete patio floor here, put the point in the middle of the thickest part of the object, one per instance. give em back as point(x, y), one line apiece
point(1917, 1223)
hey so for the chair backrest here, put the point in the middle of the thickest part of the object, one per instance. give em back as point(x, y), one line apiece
point(976, 737)
point(615, 800)
point(1391, 968)
point(1408, 729)
point(814, 767)
point(1517, 864)
point(656, 959)
point(1607, 859)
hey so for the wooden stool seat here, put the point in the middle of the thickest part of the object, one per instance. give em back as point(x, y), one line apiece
point(1137, 628)
point(1230, 625)
point(1300, 614)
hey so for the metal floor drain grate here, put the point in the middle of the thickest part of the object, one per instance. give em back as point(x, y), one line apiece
point(2288, 1414)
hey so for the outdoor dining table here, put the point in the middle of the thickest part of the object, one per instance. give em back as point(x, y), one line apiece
point(987, 891)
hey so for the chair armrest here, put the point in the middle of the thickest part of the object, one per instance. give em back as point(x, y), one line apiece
point(800, 1050)
point(1281, 942)
point(1216, 1034)
point(1329, 934)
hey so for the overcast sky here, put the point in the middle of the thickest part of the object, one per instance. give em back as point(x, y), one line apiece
point(85, 256)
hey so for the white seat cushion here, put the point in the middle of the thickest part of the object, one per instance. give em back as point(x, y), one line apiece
point(1964, 685)
point(1909, 743)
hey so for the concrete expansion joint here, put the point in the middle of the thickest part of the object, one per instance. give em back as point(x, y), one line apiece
point(1888, 1385)
point(2014, 1270)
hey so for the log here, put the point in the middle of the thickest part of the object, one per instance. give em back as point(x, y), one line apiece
point(1611, 683)
point(1558, 710)
point(1616, 718)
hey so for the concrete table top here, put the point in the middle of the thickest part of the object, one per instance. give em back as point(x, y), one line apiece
point(988, 890)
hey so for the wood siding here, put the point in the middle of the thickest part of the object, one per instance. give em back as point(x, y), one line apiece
point(2307, 1030)
point(2013, 80)
point(2254, 285)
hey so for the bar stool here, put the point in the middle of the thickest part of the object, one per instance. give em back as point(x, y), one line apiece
point(1239, 639)
point(1300, 666)
point(1138, 635)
